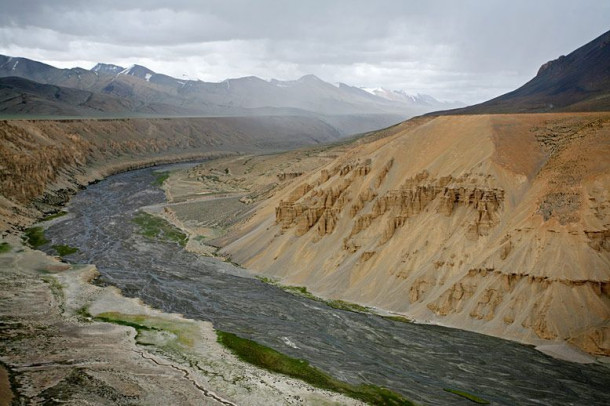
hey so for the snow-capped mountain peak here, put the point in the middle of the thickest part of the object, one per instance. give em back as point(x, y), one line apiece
point(403, 96)
point(139, 71)
point(107, 68)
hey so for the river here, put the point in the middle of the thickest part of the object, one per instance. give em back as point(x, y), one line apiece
point(415, 360)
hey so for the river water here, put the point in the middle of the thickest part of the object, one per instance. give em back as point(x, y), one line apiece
point(415, 360)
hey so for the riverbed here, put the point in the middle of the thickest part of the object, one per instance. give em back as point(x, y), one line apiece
point(416, 360)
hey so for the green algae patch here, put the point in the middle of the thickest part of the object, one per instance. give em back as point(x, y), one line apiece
point(350, 307)
point(264, 279)
point(54, 216)
point(34, 237)
point(300, 291)
point(135, 322)
point(160, 178)
point(467, 395)
point(155, 227)
point(400, 319)
point(303, 292)
point(63, 249)
point(272, 360)
point(5, 247)
point(153, 330)
point(83, 314)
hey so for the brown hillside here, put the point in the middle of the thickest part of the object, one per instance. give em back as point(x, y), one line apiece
point(498, 224)
point(43, 161)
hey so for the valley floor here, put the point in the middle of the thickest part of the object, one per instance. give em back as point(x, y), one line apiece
point(328, 208)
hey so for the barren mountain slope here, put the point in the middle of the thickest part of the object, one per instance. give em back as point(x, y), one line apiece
point(579, 81)
point(498, 224)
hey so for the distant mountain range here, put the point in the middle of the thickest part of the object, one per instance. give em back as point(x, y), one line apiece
point(33, 88)
point(579, 81)
point(418, 99)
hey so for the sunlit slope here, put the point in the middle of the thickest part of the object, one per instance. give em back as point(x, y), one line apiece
point(499, 224)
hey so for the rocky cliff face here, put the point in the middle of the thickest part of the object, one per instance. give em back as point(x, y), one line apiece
point(497, 224)
point(43, 161)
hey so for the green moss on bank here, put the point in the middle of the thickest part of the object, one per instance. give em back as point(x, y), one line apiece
point(157, 228)
point(160, 177)
point(300, 291)
point(5, 247)
point(267, 358)
point(83, 314)
point(133, 322)
point(54, 216)
point(183, 333)
point(63, 249)
point(264, 279)
point(467, 395)
point(350, 307)
point(303, 292)
point(400, 319)
point(34, 237)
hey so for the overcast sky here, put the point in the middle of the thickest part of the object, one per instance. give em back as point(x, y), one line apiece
point(453, 50)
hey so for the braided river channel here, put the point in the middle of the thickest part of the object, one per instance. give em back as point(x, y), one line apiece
point(416, 360)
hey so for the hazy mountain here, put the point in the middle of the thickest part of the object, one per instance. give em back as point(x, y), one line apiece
point(19, 96)
point(417, 99)
point(137, 90)
point(579, 81)
point(22, 96)
point(78, 78)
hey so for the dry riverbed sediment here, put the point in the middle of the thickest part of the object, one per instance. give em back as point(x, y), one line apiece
point(56, 349)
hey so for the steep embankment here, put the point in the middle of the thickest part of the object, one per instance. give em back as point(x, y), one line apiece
point(41, 162)
point(498, 224)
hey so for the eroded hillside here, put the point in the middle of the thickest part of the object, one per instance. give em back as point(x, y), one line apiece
point(498, 224)
point(43, 161)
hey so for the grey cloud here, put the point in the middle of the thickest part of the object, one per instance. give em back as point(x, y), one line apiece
point(469, 50)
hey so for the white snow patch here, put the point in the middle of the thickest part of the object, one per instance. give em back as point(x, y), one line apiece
point(148, 76)
point(126, 71)
point(373, 90)
point(15, 65)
